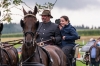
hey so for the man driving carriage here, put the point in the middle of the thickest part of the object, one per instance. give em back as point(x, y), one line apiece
point(48, 30)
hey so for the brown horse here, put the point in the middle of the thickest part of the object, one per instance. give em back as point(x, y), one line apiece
point(31, 52)
point(8, 54)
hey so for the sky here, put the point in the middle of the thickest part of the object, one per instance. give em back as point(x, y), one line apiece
point(80, 12)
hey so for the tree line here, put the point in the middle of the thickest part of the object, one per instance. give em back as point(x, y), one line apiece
point(11, 28)
point(16, 28)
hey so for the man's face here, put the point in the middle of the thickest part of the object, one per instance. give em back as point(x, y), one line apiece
point(45, 18)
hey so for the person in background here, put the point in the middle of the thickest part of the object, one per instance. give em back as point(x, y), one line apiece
point(69, 35)
point(95, 53)
point(48, 30)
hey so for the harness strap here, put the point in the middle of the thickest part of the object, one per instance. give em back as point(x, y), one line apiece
point(9, 57)
point(29, 58)
point(48, 55)
point(39, 55)
point(16, 53)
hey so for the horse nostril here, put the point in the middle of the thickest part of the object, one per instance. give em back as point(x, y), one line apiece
point(31, 42)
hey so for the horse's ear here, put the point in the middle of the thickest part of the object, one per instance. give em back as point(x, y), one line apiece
point(37, 24)
point(24, 11)
point(35, 11)
point(22, 23)
point(1, 27)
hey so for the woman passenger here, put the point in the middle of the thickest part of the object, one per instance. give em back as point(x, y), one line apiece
point(69, 35)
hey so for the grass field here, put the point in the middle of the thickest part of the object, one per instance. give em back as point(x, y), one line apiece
point(80, 41)
point(78, 63)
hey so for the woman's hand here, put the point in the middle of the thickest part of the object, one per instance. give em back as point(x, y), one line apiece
point(60, 27)
point(63, 37)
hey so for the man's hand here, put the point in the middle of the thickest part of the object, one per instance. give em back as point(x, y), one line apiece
point(53, 39)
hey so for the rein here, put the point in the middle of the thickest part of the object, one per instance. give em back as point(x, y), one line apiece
point(42, 43)
point(29, 57)
point(32, 56)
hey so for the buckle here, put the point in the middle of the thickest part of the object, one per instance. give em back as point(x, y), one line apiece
point(41, 44)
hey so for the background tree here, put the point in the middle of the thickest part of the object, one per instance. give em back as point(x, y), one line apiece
point(5, 6)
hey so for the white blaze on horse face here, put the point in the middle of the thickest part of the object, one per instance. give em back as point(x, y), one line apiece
point(30, 27)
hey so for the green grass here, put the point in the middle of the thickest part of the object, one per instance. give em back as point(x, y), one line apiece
point(18, 45)
point(78, 63)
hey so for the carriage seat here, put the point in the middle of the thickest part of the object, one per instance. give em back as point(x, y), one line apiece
point(76, 50)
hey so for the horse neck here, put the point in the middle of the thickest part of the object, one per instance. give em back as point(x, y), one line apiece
point(28, 50)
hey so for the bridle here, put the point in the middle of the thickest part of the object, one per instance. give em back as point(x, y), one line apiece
point(33, 42)
point(29, 32)
point(32, 35)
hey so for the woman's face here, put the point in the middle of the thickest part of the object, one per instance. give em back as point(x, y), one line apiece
point(63, 22)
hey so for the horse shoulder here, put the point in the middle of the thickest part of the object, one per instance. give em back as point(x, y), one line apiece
point(56, 54)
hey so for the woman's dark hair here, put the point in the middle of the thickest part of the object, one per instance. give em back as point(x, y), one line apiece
point(66, 18)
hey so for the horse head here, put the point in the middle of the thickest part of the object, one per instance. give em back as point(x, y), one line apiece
point(29, 25)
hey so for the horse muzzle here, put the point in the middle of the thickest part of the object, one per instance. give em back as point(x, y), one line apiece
point(29, 43)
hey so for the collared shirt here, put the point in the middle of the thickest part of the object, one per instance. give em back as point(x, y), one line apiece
point(93, 52)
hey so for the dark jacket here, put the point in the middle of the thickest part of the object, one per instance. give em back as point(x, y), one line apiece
point(48, 30)
point(71, 35)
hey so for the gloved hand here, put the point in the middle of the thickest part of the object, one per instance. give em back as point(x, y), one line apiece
point(53, 39)
point(37, 34)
